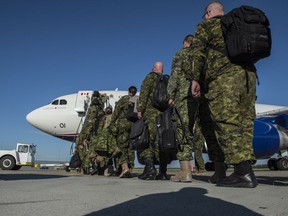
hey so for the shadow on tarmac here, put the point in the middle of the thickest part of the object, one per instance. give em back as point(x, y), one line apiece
point(11, 177)
point(187, 201)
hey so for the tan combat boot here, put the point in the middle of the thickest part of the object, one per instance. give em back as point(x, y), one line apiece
point(108, 171)
point(125, 171)
point(184, 175)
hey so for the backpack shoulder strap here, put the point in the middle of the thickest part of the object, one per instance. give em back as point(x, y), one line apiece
point(176, 112)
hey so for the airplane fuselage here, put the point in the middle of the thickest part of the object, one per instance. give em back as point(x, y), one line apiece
point(65, 115)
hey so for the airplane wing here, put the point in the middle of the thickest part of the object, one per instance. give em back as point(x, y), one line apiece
point(270, 110)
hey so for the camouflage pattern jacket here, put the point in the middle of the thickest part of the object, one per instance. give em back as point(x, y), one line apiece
point(119, 118)
point(145, 98)
point(181, 75)
point(87, 129)
point(209, 43)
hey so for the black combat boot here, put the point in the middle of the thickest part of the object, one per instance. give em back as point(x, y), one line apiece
point(220, 172)
point(94, 171)
point(162, 175)
point(150, 171)
point(86, 171)
point(242, 177)
point(118, 170)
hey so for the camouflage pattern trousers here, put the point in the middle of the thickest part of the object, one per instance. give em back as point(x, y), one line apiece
point(150, 152)
point(198, 144)
point(226, 116)
point(126, 154)
point(187, 113)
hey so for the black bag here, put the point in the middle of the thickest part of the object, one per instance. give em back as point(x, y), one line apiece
point(167, 132)
point(139, 135)
point(247, 35)
point(75, 161)
point(160, 95)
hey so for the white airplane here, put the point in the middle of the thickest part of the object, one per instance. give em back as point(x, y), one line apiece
point(65, 115)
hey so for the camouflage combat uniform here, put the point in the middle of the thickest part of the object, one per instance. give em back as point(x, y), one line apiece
point(198, 144)
point(122, 126)
point(150, 113)
point(83, 150)
point(228, 107)
point(100, 142)
point(87, 131)
point(88, 124)
point(179, 89)
point(85, 135)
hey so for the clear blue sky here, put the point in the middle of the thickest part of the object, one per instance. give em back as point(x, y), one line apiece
point(51, 48)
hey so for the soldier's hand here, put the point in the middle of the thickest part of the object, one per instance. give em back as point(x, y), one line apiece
point(171, 102)
point(86, 142)
point(139, 115)
point(195, 88)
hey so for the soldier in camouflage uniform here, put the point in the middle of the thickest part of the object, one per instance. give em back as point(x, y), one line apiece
point(122, 125)
point(83, 150)
point(100, 145)
point(87, 130)
point(147, 110)
point(228, 108)
point(179, 92)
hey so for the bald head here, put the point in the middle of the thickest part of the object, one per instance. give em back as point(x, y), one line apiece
point(214, 9)
point(158, 67)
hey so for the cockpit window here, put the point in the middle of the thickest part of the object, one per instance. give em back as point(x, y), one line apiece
point(63, 102)
point(59, 102)
point(55, 102)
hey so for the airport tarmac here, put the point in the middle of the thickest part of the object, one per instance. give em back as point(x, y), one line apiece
point(32, 192)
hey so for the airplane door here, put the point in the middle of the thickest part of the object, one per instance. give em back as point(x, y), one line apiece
point(83, 101)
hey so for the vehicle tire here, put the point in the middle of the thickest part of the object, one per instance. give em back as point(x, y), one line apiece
point(282, 163)
point(17, 167)
point(272, 164)
point(7, 163)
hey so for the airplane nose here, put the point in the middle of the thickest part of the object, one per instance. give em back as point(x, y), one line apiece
point(32, 118)
point(40, 121)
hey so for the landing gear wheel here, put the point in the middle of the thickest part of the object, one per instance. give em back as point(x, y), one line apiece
point(272, 164)
point(282, 163)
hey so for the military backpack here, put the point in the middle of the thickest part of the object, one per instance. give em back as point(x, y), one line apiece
point(139, 135)
point(247, 35)
point(160, 95)
point(168, 137)
point(131, 114)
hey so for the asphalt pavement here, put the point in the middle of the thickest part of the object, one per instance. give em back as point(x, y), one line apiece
point(37, 192)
